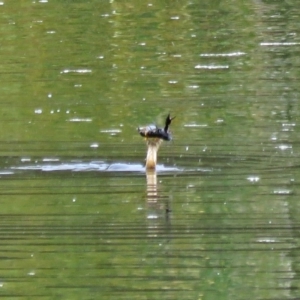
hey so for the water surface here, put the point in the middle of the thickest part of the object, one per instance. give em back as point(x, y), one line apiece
point(80, 217)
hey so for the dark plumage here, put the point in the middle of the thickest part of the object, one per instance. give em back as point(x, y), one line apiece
point(152, 131)
point(154, 136)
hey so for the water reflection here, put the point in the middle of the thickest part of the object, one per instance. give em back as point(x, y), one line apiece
point(153, 197)
point(158, 207)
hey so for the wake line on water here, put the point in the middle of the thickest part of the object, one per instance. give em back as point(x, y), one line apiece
point(92, 166)
point(97, 166)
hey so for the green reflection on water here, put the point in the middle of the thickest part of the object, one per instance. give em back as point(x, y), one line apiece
point(78, 220)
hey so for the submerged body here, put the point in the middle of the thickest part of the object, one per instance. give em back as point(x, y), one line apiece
point(154, 137)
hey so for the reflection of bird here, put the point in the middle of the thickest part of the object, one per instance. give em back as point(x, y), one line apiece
point(154, 136)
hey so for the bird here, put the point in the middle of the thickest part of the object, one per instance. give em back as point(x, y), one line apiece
point(154, 137)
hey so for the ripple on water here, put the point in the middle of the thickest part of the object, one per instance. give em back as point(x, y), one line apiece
point(283, 147)
point(234, 54)
point(78, 71)
point(111, 131)
point(253, 178)
point(80, 120)
point(195, 125)
point(279, 44)
point(211, 67)
point(282, 192)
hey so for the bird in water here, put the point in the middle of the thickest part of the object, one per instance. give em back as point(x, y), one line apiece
point(154, 137)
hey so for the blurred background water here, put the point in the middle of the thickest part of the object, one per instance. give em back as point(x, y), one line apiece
point(80, 218)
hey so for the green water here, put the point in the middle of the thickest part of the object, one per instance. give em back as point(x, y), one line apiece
point(80, 218)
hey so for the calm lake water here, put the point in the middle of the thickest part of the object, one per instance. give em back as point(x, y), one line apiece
point(80, 217)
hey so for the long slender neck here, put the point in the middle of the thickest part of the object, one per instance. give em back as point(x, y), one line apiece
point(151, 159)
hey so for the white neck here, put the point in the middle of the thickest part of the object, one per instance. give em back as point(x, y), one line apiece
point(153, 146)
